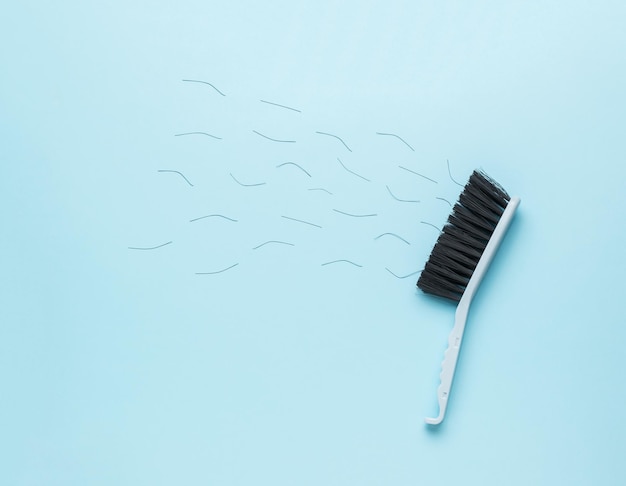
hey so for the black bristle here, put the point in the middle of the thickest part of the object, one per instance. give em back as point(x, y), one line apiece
point(464, 237)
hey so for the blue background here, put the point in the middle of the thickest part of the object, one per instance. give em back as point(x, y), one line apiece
point(124, 367)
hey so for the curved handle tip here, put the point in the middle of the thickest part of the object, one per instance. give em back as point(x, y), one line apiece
point(434, 421)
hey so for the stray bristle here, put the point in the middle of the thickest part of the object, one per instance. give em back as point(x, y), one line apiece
point(464, 237)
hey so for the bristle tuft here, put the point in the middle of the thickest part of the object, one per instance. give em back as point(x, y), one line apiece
point(464, 237)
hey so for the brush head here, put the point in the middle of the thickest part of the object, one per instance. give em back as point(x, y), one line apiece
point(464, 237)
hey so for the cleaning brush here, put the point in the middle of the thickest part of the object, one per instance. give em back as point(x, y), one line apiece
point(460, 258)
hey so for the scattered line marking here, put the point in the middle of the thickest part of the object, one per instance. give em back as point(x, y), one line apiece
point(273, 241)
point(301, 221)
point(393, 234)
point(346, 261)
point(218, 271)
point(197, 133)
point(351, 171)
point(450, 174)
point(203, 82)
point(148, 247)
point(293, 163)
point(247, 185)
point(274, 139)
point(417, 173)
point(338, 138)
point(176, 172)
point(282, 106)
point(320, 189)
point(403, 276)
point(213, 216)
point(401, 200)
point(430, 224)
point(355, 215)
point(398, 137)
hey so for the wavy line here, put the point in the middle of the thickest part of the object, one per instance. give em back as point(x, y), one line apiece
point(356, 215)
point(430, 224)
point(352, 172)
point(403, 276)
point(450, 174)
point(393, 234)
point(274, 139)
point(417, 173)
point(401, 200)
point(179, 173)
point(149, 247)
point(293, 163)
point(218, 271)
point(282, 106)
point(346, 261)
point(338, 138)
point(301, 221)
point(320, 189)
point(398, 137)
point(247, 185)
point(203, 82)
point(442, 199)
point(197, 133)
point(213, 216)
point(273, 241)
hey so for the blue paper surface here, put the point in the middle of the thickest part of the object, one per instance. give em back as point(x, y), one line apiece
point(208, 208)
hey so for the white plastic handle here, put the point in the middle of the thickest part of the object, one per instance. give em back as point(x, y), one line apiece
point(448, 365)
point(451, 355)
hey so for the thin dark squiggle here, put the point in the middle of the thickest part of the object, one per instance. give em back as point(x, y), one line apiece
point(401, 200)
point(300, 221)
point(273, 241)
point(293, 163)
point(218, 271)
point(203, 82)
point(393, 234)
point(274, 139)
point(149, 247)
point(417, 173)
point(398, 137)
point(351, 171)
point(320, 189)
point(403, 276)
point(450, 174)
point(198, 133)
point(356, 215)
point(282, 106)
point(179, 173)
point(442, 199)
point(247, 185)
point(338, 138)
point(213, 216)
point(346, 261)
point(430, 224)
